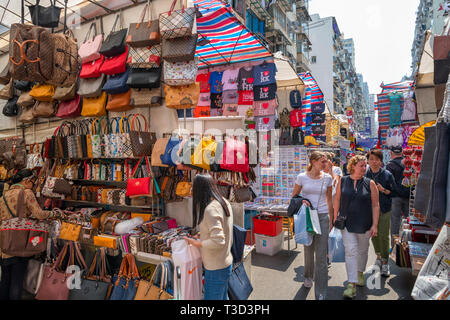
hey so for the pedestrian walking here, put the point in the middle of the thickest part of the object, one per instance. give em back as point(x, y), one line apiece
point(213, 214)
point(385, 185)
point(357, 200)
point(316, 186)
point(344, 169)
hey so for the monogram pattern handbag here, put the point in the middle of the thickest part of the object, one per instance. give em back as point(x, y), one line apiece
point(146, 33)
point(142, 140)
point(176, 23)
point(179, 49)
point(180, 73)
point(144, 98)
point(182, 97)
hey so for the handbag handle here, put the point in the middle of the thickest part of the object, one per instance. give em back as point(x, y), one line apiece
point(119, 16)
point(117, 121)
point(173, 6)
point(122, 128)
point(136, 117)
point(147, 8)
point(93, 26)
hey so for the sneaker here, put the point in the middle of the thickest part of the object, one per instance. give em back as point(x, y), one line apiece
point(321, 297)
point(350, 292)
point(308, 283)
point(360, 279)
point(385, 272)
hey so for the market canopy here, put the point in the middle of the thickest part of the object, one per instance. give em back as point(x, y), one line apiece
point(286, 76)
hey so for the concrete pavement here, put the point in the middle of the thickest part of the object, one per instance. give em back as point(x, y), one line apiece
point(281, 278)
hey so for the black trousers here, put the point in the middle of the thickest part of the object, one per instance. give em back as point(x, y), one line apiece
point(13, 273)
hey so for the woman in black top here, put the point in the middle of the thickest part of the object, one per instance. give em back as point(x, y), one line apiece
point(357, 199)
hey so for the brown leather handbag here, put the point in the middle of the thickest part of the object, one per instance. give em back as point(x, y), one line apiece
point(144, 34)
point(25, 100)
point(65, 59)
point(148, 291)
point(119, 102)
point(27, 115)
point(179, 49)
point(65, 93)
point(44, 109)
point(7, 92)
point(142, 140)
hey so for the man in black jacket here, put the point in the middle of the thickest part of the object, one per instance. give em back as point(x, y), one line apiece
point(400, 197)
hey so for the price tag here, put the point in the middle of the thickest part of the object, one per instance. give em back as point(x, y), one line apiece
point(140, 140)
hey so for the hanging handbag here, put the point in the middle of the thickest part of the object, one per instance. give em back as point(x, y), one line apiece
point(92, 69)
point(117, 83)
point(172, 148)
point(127, 281)
point(140, 187)
point(159, 149)
point(235, 156)
point(184, 187)
point(182, 97)
point(7, 92)
point(94, 107)
point(114, 44)
point(96, 137)
point(70, 231)
point(88, 50)
point(204, 154)
point(180, 73)
point(145, 57)
point(27, 115)
point(70, 109)
point(116, 64)
point(149, 291)
point(44, 109)
point(144, 78)
point(34, 158)
point(318, 107)
point(64, 94)
point(47, 17)
point(119, 102)
point(144, 34)
point(25, 100)
point(179, 49)
point(126, 149)
point(11, 109)
point(143, 98)
point(44, 92)
point(92, 87)
point(5, 75)
point(142, 141)
point(23, 85)
point(176, 23)
point(33, 276)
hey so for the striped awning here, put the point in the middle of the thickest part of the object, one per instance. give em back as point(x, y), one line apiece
point(313, 94)
point(228, 41)
point(397, 86)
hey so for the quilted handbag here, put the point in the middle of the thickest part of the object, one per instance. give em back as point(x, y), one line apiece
point(176, 23)
point(117, 83)
point(265, 123)
point(114, 44)
point(144, 34)
point(92, 87)
point(179, 49)
point(92, 69)
point(235, 156)
point(47, 17)
point(7, 92)
point(43, 92)
point(182, 97)
point(44, 109)
point(94, 107)
point(142, 141)
point(70, 109)
point(318, 107)
point(265, 108)
point(146, 97)
point(88, 50)
point(180, 73)
point(317, 118)
point(144, 78)
point(140, 187)
point(145, 57)
point(119, 102)
point(116, 64)
point(25, 100)
point(65, 93)
point(11, 109)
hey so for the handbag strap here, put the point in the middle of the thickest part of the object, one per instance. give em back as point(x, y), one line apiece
point(136, 117)
point(147, 9)
point(79, 255)
point(137, 168)
point(124, 129)
point(320, 195)
point(93, 26)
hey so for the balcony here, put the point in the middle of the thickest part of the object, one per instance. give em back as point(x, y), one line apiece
point(302, 11)
point(302, 61)
point(277, 35)
point(286, 5)
point(260, 10)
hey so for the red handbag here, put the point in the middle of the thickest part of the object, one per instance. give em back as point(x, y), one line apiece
point(140, 187)
point(235, 156)
point(296, 118)
point(116, 64)
point(92, 69)
point(70, 108)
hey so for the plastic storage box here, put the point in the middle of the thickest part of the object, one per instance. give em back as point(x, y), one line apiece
point(268, 245)
point(270, 227)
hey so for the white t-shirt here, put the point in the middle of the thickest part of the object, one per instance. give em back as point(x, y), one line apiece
point(312, 189)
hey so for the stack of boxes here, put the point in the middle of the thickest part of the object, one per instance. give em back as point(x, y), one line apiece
point(268, 234)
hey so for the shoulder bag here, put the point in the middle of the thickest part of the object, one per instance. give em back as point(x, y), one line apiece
point(23, 85)
point(25, 100)
point(117, 83)
point(7, 92)
point(43, 109)
point(65, 93)
point(88, 50)
point(149, 291)
point(11, 109)
point(70, 108)
point(92, 87)
point(142, 141)
point(126, 149)
point(145, 57)
point(144, 34)
point(116, 64)
point(119, 102)
point(176, 23)
point(144, 78)
point(159, 149)
point(43, 92)
point(65, 59)
point(180, 73)
point(94, 107)
point(114, 43)
point(91, 69)
point(47, 17)
point(140, 187)
point(182, 97)
point(127, 281)
point(144, 98)
point(179, 49)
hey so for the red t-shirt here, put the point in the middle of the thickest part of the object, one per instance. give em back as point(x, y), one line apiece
point(203, 78)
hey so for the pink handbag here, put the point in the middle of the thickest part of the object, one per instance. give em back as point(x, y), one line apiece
point(235, 156)
point(88, 50)
point(70, 108)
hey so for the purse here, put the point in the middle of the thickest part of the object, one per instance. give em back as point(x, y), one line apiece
point(23, 85)
point(144, 34)
point(116, 64)
point(117, 83)
point(70, 231)
point(119, 102)
point(47, 17)
point(43, 92)
point(127, 281)
point(11, 109)
point(149, 291)
point(172, 148)
point(140, 187)
point(239, 286)
point(126, 148)
point(180, 73)
point(88, 50)
point(92, 69)
point(33, 276)
point(179, 49)
point(25, 100)
point(145, 57)
point(144, 78)
point(92, 87)
point(70, 109)
point(182, 97)
point(44, 109)
point(142, 141)
point(34, 158)
point(94, 107)
point(143, 98)
point(184, 187)
point(176, 23)
point(7, 92)
point(114, 44)
point(64, 94)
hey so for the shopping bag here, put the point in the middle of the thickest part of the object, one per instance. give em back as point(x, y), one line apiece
point(312, 221)
point(302, 236)
point(336, 250)
point(239, 286)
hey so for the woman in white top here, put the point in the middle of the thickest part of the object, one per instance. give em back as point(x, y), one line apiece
point(316, 186)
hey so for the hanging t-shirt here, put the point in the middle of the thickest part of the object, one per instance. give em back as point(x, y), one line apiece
point(246, 98)
point(409, 107)
point(215, 81)
point(216, 101)
point(264, 74)
point(246, 79)
point(395, 114)
point(230, 96)
point(262, 93)
point(203, 79)
point(204, 99)
point(230, 79)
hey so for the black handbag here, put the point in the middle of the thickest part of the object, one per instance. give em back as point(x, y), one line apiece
point(114, 44)
point(11, 109)
point(239, 286)
point(144, 78)
point(47, 17)
point(317, 118)
point(318, 129)
point(23, 85)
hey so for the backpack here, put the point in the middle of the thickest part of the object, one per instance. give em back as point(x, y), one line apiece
point(298, 137)
point(285, 119)
point(285, 137)
point(65, 60)
point(295, 99)
point(296, 118)
point(401, 191)
point(34, 44)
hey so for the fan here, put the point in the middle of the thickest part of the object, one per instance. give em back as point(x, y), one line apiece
point(417, 138)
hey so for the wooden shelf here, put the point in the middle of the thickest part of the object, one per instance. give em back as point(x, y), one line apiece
point(119, 184)
point(213, 118)
point(125, 208)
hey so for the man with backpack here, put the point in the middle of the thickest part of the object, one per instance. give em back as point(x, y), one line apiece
point(400, 197)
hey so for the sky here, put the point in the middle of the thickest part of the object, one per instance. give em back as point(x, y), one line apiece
point(383, 32)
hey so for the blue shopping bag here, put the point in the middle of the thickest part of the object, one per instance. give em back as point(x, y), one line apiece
point(302, 236)
point(336, 250)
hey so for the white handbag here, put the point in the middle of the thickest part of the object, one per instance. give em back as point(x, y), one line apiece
point(34, 158)
point(180, 73)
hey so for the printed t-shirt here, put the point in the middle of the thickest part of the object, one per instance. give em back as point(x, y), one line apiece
point(264, 74)
point(246, 79)
point(230, 79)
point(215, 81)
point(263, 93)
point(203, 78)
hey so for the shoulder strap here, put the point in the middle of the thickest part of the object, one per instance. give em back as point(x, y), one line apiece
point(7, 206)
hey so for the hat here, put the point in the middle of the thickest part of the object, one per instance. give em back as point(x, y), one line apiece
point(397, 149)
